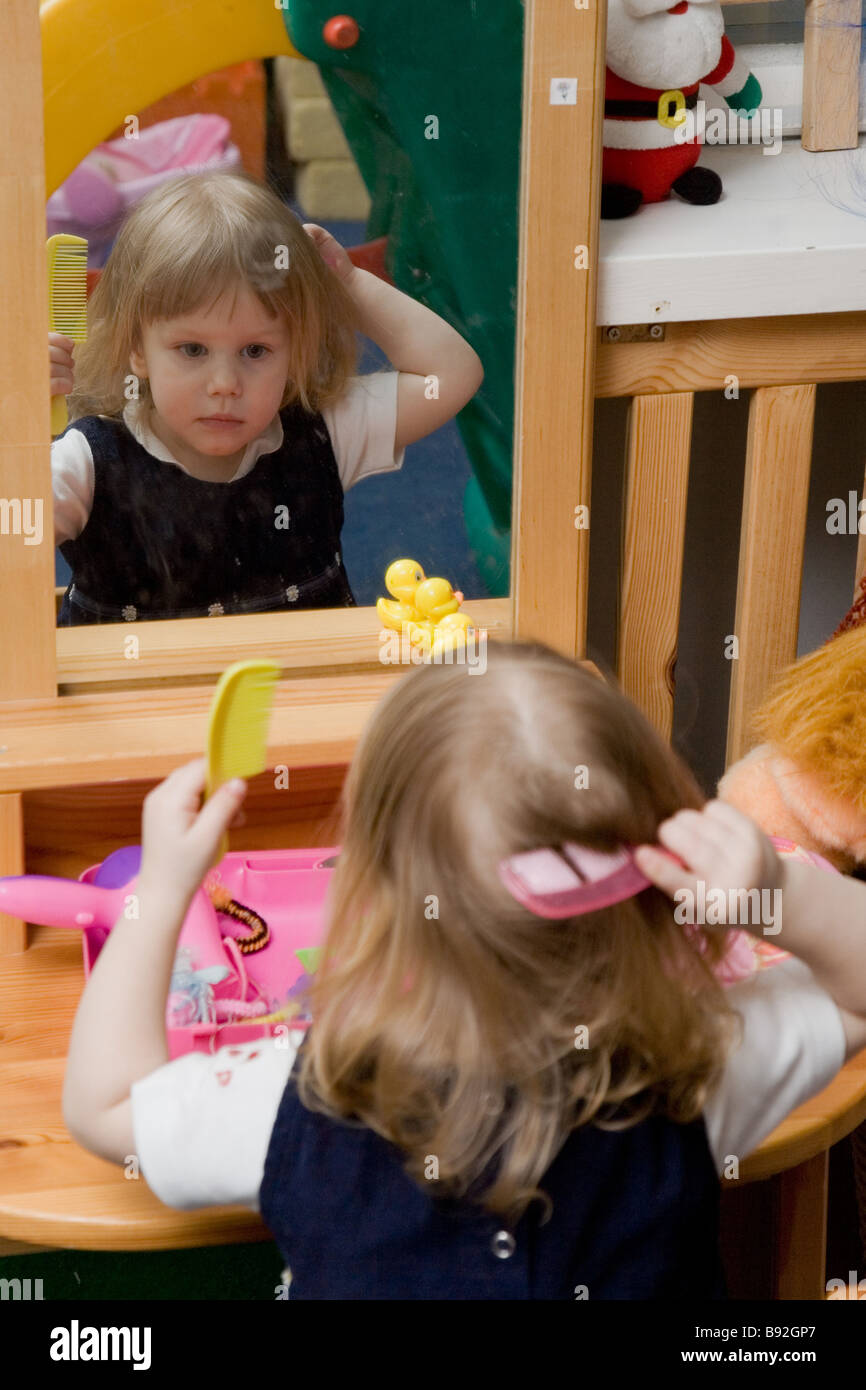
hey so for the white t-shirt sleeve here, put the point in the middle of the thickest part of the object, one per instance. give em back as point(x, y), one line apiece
point(203, 1123)
point(72, 485)
point(793, 1044)
point(363, 425)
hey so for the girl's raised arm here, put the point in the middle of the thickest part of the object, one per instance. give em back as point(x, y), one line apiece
point(821, 917)
point(119, 1035)
point(439, 371)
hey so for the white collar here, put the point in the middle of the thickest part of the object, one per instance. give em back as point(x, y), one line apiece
point(265, 443)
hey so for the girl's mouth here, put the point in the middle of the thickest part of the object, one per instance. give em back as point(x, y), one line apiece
point(215, 422)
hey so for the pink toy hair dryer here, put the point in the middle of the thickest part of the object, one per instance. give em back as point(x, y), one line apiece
point(99, 898)
point(288, 887)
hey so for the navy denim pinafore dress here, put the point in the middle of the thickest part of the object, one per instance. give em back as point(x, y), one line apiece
point(162, 544)
point(635, 1216)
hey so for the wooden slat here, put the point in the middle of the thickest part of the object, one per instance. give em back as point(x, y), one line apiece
point(831, 74)
point(26, 569)
point(801, 1251)
point(133, 735)
point(699, 356)
point(559, 207)
point(657, 476)
point(775, 500)
point(127, 735)
point(313, 640)
point(13, 933)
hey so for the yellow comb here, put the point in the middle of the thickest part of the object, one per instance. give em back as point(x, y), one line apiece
point(67, 302)
point(237, 734)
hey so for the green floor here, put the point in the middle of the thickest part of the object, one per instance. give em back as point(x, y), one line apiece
point(246, 1272)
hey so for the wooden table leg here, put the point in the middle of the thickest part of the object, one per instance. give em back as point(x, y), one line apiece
point(13, 932)
point(801, 1242)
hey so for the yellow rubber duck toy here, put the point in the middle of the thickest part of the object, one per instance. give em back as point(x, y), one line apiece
point(401, 580)
point(425, 609)
point(435, 601)
point(452, 632)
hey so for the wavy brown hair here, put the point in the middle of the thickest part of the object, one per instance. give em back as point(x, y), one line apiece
point(445, 1012)
point(182, 247)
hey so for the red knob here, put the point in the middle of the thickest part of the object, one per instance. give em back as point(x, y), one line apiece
point(341, 32)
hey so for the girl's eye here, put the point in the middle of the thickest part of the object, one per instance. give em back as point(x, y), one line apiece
point(196, 349)
point(257, 349)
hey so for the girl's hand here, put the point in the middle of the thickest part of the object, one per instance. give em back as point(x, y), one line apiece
point(179, 842)
point(718, 845)
point(61, 365)
point(330, 250)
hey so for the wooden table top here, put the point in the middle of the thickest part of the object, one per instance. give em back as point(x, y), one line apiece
point(53, 1193)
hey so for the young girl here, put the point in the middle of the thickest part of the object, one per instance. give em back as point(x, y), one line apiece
point(216, 420)
point(488, 1103)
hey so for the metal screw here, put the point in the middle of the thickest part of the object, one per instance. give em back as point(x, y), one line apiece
point(614, 335)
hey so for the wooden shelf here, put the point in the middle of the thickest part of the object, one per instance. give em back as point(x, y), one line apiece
point(317, 641)
point(127, 735)
point(785, 238)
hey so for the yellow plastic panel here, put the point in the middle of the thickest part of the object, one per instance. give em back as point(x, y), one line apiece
point(103, 61)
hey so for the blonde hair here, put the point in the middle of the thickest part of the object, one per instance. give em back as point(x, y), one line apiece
point(183, 246)
point(446, 1014)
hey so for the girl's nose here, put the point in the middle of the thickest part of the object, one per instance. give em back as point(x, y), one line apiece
point(224, 379)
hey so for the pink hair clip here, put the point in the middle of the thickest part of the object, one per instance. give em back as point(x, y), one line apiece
point(571, 880)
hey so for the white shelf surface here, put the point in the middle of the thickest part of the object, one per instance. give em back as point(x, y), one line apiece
point(788, 236)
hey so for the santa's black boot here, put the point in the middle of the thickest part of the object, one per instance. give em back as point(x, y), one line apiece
point(619, 200)
point(699, 185)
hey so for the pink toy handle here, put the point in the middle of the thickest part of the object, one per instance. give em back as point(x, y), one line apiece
point(65, 902)
point(572, 879)
point(59, 902)
point(566, 883)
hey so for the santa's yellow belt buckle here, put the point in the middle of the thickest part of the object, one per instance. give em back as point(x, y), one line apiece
point(677, 100)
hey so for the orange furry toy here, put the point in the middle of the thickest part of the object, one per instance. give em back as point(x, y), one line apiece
point(807, 780)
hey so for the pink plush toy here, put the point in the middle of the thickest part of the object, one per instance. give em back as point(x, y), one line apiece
point(118, 173)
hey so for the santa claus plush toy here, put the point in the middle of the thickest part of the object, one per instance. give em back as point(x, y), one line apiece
point(656, 59)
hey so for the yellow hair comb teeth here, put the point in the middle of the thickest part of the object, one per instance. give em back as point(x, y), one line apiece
point(67, 302)
point(237, 735)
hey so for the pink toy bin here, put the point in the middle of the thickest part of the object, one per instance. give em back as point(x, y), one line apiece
point(287, 888)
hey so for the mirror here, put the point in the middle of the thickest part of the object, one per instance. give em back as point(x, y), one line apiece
point(412, 156)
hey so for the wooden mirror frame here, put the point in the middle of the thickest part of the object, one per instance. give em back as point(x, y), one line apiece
point(552, 463)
